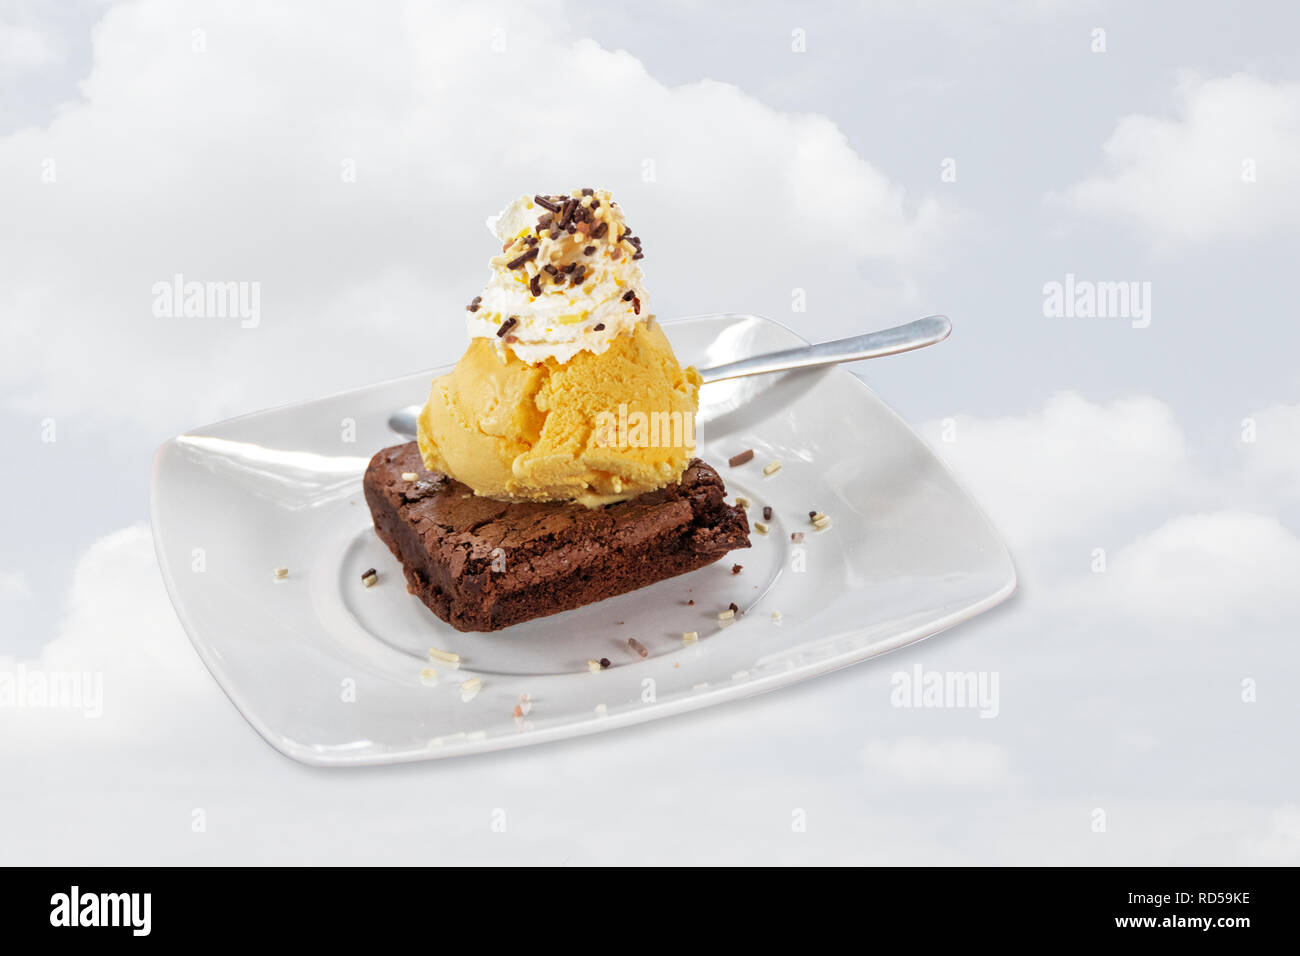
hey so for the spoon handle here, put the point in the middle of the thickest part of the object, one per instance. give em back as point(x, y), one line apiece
point(901, 338)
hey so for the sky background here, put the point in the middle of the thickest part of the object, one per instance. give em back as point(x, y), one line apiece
point(143, 139)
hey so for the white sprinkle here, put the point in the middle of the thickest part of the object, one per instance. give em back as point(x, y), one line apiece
point(760, 527)
point(822, 523)
point(726, 617)
point(281, 573)
point(690, 637)
point(776, 617)
point(742, 502)
point(409, 476)
point(815, 517)
point(703, 685)
point(593, 665)
point(771, 468)
point(369, 580)
point(470, 688)
point(601, 711)
point(447, 657)
point(428, 676)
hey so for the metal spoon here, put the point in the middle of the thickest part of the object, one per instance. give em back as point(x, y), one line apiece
point(902, 338)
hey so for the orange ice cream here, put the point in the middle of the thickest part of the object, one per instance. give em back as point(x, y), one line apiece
point(594, 429)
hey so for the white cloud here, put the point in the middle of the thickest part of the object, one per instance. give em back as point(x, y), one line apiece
point(1062, 470)
point(227, 164)
point(1186, 549)
point(929, 762)
point(120, 642)
point(1181, 179)
point(1270, 459)
point(1229, 572)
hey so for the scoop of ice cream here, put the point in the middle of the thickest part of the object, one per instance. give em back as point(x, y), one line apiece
point(595, 428)
point(568, 278)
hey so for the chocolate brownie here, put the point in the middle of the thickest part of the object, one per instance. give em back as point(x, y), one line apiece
point(482, 564)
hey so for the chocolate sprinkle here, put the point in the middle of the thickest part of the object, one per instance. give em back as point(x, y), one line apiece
point(636, 305)
point(767, 512)
point(600, 230)
point(589, 250)
point(589, 192)
point(744, 456)
point(550, 270)
point(473, 306)
point(523, 257)
point(733, 607)
point(737, 568)
point(535, 284)
point(628, 295)
point(546, 203)
point(598, 327)
point(507, 325)
point(566, 214)
point(604, 662)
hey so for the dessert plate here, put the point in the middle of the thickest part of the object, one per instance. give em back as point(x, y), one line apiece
point(334, 673)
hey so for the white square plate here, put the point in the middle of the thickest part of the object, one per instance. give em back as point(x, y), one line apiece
point(329, 671)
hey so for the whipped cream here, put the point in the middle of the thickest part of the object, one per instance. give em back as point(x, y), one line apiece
point(568, 278)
